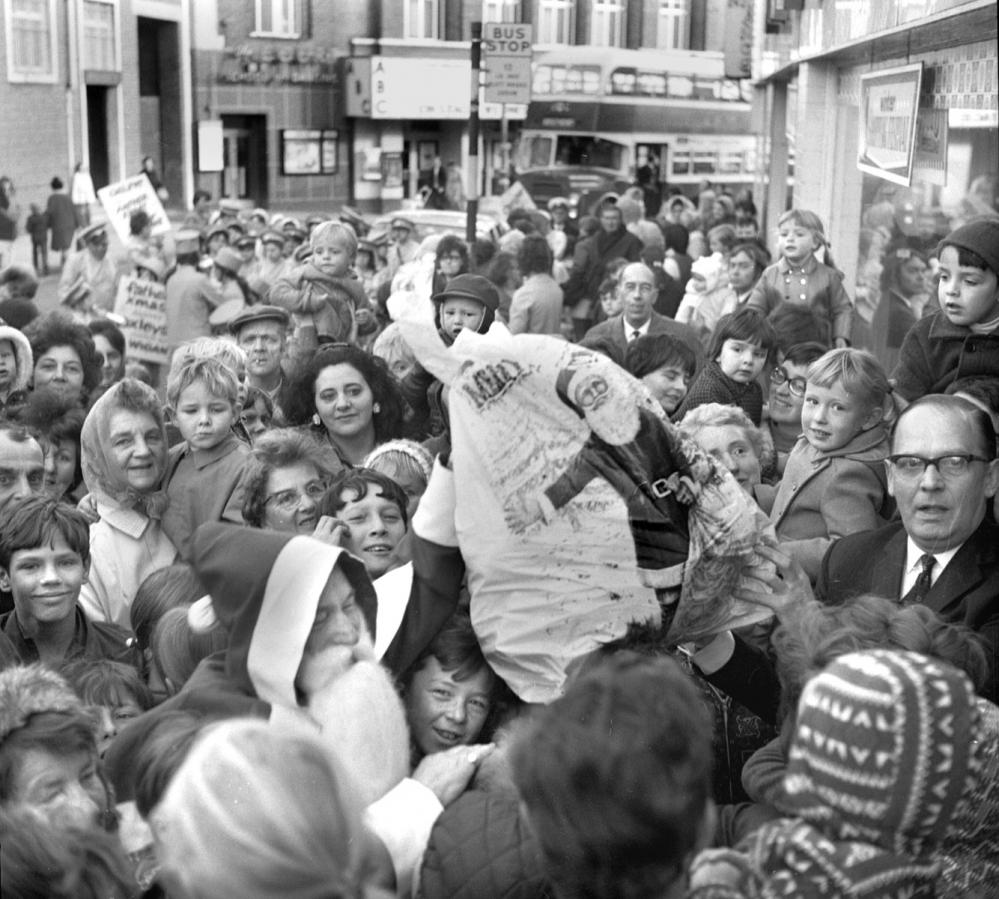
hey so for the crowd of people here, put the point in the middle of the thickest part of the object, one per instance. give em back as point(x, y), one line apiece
point(240, 649)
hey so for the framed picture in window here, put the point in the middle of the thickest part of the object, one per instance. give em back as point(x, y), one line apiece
point(889, 104)
point(331, 151)
point(301, 152)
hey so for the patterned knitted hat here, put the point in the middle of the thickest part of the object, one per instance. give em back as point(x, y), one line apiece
point(887, 748)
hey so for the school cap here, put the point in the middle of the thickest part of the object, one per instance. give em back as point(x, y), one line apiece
point(555, 202)
point(291, 224)
point(228, 259)
point(261, 313)
point(470, 287)
point(981, 237)
point(231, 207)
point(217, 228)
point(352, 217)
point(92, 232)
point(260, 213)
point(152, 264)
point(247, 240)
point(187, 241)
point(272, 237)
point(235, 226)
point(400, 222)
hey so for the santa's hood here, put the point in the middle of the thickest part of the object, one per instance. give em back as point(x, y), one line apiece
point(265, 589)
point(22, 356)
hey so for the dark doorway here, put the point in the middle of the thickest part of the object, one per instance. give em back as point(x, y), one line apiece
point(159, 101)
point(244, 157)
point(97, 135)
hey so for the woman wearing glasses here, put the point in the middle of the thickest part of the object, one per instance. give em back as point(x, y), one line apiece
point(349, 401)
point(286, 477)
point(787, 394)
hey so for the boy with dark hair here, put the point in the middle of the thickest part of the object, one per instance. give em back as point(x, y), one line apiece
point(615, 777)
point(44, 561)
point(962, 338)
point(665, 365)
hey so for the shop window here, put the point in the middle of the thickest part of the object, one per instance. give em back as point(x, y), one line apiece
point(31, 40)
point(500, 10)
point(423, 19)
point(556, 21)
point(99, 35)
point(607, 25)
point(280, 18)
point(673, 25)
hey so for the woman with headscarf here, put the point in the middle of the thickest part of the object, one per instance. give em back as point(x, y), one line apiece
point(124, 453)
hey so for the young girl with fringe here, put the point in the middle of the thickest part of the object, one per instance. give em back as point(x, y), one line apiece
point(800, 279)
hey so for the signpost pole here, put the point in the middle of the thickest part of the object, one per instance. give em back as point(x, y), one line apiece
point(473, 137)
point(505, 143)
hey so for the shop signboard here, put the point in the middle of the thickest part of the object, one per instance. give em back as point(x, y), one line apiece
point(889, 104)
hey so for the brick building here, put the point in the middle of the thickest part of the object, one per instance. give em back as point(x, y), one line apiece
point(101, 82)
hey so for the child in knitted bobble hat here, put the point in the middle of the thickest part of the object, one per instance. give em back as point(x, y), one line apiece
point(888, 752)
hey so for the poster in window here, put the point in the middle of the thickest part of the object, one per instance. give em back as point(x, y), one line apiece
point(300, 152)
point(392, 169)
point(331, 152)
point(889, 103)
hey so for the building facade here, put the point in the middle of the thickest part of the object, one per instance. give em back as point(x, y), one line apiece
point(893, 109)
point(98, 82)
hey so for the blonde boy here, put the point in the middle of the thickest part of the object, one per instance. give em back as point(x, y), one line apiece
point(835, 481)
point(204, 473)
point(322, 292)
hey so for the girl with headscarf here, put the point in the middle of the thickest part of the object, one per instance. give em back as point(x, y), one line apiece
point(124, 454)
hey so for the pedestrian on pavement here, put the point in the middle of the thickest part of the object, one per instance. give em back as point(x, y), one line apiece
point(62, 219)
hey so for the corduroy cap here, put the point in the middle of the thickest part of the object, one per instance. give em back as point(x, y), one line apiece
point(470, 287)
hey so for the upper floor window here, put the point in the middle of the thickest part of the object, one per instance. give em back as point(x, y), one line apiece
point(556, 21)
point(423, 19)
point(279, 18)
point(31, 40)
point(673, 25)
point(607, 26)
point(99, 35)
point(500, 10)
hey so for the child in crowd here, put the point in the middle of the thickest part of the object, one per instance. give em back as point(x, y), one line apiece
point(452, 696)
point(741, 345)
point(468, 301)
point(408, 464)
point(664, 365)
point(114, 693)
point(708, 296)
point(204, 472)
point(37, 226)
point(800, 279)
point(962, 338)
point(324, 289)
point(44, 562)
point(391, 347)
point(835, 482)
point(615, 778)
point(257, 415)
point(787, 393)
point(16, 368)
point(610, 301)
point(887, 756)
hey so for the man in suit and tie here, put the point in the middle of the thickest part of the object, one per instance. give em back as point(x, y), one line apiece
point(944, 553)
point(637, 290)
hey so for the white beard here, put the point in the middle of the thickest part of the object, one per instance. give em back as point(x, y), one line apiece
point(352, 699)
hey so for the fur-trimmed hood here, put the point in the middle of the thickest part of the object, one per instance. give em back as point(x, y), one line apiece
point(22, 356)
point(30, 690)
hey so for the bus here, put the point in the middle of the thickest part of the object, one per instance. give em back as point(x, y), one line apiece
point(603, 118)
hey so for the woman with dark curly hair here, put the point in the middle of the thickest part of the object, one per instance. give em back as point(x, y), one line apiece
point(66, 360)
point(286, 477)
point(109, 341)
point(350, 400)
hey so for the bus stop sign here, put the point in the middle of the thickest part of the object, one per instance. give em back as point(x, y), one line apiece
point(506, 57)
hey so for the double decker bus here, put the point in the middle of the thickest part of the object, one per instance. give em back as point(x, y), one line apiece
point(600, 119)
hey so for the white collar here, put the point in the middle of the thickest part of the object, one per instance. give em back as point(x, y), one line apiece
point(913, 554)
point(630, 329)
